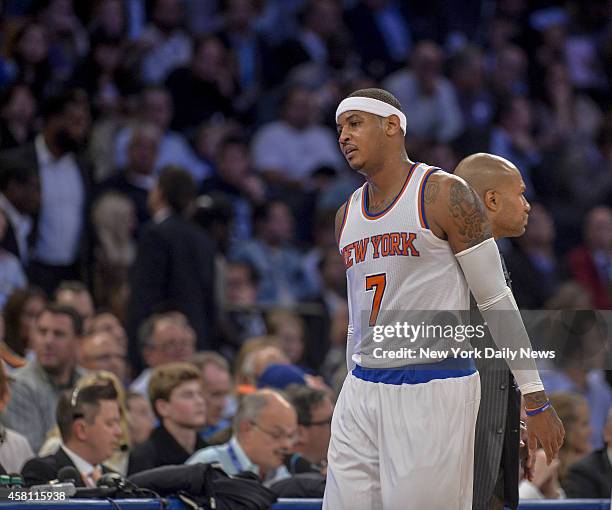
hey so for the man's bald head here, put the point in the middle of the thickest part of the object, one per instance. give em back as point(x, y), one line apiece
point(500, 186)
point(485, 171)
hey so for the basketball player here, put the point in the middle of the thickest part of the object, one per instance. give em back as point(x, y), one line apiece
point(496, 456)
point(414, 238)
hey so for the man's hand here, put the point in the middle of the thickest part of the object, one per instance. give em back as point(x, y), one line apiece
point(545, 427)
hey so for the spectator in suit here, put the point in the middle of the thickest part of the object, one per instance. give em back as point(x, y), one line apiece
point(591, 263)
point(163, 338)
point(89, 422)
point(138, 177)
point(591, 477)
point(38, 385)
point(265, 429)
point(20, 201)
point(177, 397)
point(217, 381)
point(60, 244)
point(500, 186)
point(174, 263)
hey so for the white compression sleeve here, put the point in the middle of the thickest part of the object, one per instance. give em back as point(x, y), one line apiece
point(483, 271)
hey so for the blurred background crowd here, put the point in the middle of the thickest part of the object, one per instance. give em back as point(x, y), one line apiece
point(169, 171)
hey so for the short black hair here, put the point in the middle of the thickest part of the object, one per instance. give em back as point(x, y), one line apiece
point(13, 170)
point(75, 318)
point(177, 187)
point(380, 94)
point(80, 402)
point(56, 104)
point(304, 399)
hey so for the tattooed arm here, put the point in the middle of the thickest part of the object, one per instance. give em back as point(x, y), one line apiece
point(455, 212)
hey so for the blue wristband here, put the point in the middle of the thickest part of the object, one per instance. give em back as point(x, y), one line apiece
point(533, 412)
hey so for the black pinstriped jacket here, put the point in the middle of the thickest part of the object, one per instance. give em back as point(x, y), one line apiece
point(496, 451)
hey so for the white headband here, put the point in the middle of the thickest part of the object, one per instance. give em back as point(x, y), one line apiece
point(367, 104)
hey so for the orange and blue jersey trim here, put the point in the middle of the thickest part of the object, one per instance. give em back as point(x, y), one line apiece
point(344, 217)
point(364, 197)
point(421, 195)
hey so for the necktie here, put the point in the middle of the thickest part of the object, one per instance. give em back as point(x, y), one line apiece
point(91, 478)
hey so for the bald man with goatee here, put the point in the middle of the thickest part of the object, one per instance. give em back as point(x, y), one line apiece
point(496, 457)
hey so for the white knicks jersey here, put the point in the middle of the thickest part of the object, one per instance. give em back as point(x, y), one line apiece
point(395, 264)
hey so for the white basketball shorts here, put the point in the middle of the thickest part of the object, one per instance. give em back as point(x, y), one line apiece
point(403, 439)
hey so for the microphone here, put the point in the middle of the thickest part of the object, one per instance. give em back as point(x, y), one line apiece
point(296, 463)
point(68, 474)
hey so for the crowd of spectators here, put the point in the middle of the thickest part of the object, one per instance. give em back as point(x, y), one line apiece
point(169, 178)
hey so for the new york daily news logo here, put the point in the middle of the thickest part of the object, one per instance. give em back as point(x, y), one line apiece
point(414, 332)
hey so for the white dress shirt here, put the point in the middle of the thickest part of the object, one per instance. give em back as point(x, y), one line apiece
point(61, 208)
point(84, 467)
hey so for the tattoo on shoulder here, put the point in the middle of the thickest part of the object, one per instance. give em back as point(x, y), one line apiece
point(432, 188)
point(469, 215)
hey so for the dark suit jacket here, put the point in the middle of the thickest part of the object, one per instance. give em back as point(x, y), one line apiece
point(137, 195)
point(40, 470)
point(496, 448)
point(161, 449)
point(26, 154)
point(590, 477)
point(173, 271)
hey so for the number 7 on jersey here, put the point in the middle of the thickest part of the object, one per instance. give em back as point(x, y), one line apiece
point(378, 282)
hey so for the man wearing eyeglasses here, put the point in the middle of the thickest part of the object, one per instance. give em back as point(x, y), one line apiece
point(314, 411)
point(90, 426)
point(265, 431)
